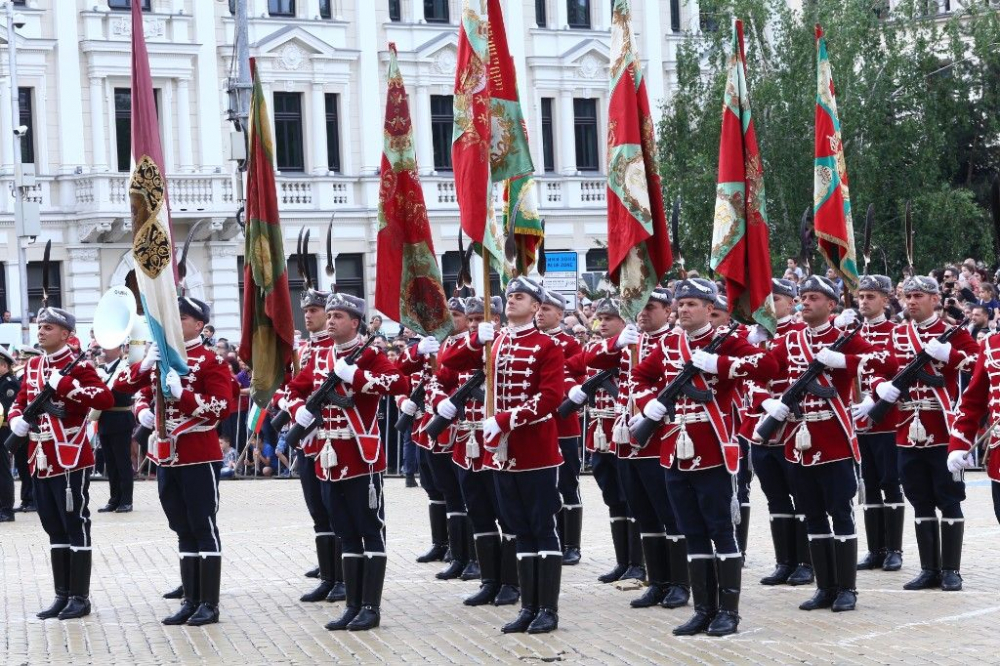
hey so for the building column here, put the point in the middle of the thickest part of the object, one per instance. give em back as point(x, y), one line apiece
point(209, 94)
point(185, 137)
point(83, 276)
point(224, 295)
point(566, 141)
point(71, 144)
point(319, 158)
point(167, 125)
point(421, 114)
point(6, 146)
point(562, 14)
point(98, 142)
point(347, 145)
point(653, 36)
point(311, 10)
point(368, 94)
point(693, 7)
point(417, 11)
point(604, 13)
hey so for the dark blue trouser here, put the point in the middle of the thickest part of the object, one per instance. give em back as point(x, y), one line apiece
point(189, 495)
point(446, 481)
point(646, 489)
point(529, 502)
point(702, 504)
point(996, 499)
point(427, 476)
point(312, 491)
point(6, 477)
point(776, 478)
point(825, 493)
point(361, 528)
point(64, 527)
point(880, 468)
point(409, 454)
point(745, 474)
point(928, 484)
point(569, 471)
point(480, 493)
point(605, 469)
point(116, 443)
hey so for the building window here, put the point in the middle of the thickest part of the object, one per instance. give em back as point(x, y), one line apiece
point(708, 21)
point(435, 11)
point(295, 285)
point(24, 99)
point(597, 259)
point(119, 4)
point(540, 18)
point(578, 14)
point(281, 7)
point(333, 132)
point(675, 15)
point(35, 285)
point(548, 139)
point(585, 126)
point(395, 11)
point(325, 10)
point(288, 131)
point(442, 121)
point(350, 274)
point(123, 125)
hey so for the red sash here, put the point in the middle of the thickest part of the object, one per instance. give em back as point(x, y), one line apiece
point(67, 450)
point(368, 439)
point(839, 410)
point(940, 392)
point(730, 448)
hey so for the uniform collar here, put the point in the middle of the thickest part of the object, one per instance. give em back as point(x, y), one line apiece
point(875, 321)
point(927, 323)
point(194, 343)
point(784, 321)
point(821, 329)
point(658, 332)
point(701, 332)
point(553, 331)
point(348, 346)
point(59, 354)
point(319, 336)
point(518, 331)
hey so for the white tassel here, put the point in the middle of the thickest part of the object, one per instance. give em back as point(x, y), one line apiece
point(69, 496)
point(620, 433)
point(472, 447)
point(684, 449)
point(803, 440)
point(600, 439)
point(500, 454)
point(328, 456)
point(372, 495)
point(917, 432)
point(41, 460)
point(734, 504)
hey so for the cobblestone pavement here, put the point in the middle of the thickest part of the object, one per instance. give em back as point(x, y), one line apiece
point(267, 541)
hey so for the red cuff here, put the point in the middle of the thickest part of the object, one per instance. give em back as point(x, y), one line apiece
point(503, 420)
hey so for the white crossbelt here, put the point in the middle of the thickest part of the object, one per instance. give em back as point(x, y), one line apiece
point(603, 413)
point(822, 415)
point(691, 417)
point(923, 405)
point(48, 437)
point(336, 433)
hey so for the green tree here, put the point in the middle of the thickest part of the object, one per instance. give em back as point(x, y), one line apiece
point(918, 98)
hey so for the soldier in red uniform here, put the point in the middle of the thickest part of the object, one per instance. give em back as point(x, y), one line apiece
point(528, 379)
point(60, 458)
point(884, 509)
point(821, 443)
point(923, 432)
point(549, 321)
point(351, 459)
point(793, 565)
point(697, 450)
point(190, 458)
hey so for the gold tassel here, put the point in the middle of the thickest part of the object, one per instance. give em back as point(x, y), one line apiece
point(600, 439)
point(620, 433)
point(918, 432)
point(685, 445)
point(472, 446)
point(803, 440)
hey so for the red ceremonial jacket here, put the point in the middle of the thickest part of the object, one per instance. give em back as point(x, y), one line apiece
point(598, 356)
point(63, 441)
point(755, 393)
point(981, 398)
point(528, 382)
point(417, 368)
point(568, 427)
point(352, 433)
point(315, 355)
point(457, 436)
point(316, 340)
point(191, 420)
point(878, 334)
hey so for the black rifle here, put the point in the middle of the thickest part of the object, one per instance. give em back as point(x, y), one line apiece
point(462, 395)
point(806, 383)
point(681, 385)
point(913, 372)
point(325, 394)
point(604, 379)
point(279, 420)
point(405, 421)
point(41, 404)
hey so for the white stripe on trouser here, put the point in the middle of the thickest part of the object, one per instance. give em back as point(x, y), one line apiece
point(932, 519)
point(787, 516)
point(183, 555)
point(215, 512)
point(509, 537)
point(371, 554)
point(476, 535)
point(727, 556)
point(549, 553)
point(436, 502)
point(700, 556)
point(521, 556)
point(813, 537)
point(675, 537)
point(352, 555)
point(325, 534)
point(58, 545)
point(570, 507)
point(644, 535)
point(898, 505)
point(844, 537)
point(80, 506)
point(952, 521)
point(452, 514)
point(618, 519)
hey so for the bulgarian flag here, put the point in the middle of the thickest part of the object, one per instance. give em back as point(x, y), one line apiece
point(255, 418)
point(638, 244)
point(268, 331)
point(831, 199)
point(740, 248)
point(408, 288)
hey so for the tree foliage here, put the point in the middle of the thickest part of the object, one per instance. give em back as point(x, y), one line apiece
point(919, 102)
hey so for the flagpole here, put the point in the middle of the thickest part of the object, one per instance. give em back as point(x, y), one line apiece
point(488, 316)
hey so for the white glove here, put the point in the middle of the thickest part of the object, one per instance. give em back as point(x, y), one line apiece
point(775, 409)
point(304, 417)
point(634, 421)
point(150, 359)
point(428, 345)
point(831, 359)
point(345, 370)
point(147, 419)
point(174, 384)
point(860, 410)
point(447, 409)
point(283, 404)
point(408, 407)
point(758, 334)
point(705, 362)
point(654, 410)
point(485, 332)
point(845, 319)
point(491, 429)
point(887, 391)
point(54, 379)
point(577, 395)
point(958, 460)
point(939, 351)
point(628, 336)
point(19, 426)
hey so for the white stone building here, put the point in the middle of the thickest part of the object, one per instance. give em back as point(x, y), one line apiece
point(323, 66)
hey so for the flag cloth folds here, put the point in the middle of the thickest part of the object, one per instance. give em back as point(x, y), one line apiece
point(740, 247)
point(152, 235)
point(408, 286)
point(268, 336)
point(523, 222)
point(831, 199)
point(638, 244)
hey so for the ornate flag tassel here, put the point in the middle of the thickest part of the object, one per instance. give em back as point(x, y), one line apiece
point(803, 440)
point(917, 432)
point(685, 445)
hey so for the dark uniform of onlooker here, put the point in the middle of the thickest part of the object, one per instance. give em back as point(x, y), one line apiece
point(9, 386)
point(114, 431)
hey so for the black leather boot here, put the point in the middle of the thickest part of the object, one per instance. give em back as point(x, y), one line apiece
point(312, 573)
point(803, 574)
point(573, 521)
point(372, 583)
point(636, 569)
point(952, 535)
point(79, 585)
point(488, 550)
point(826, 575)
point(210, 580)
point(705, 590)
point(743, 531)
point(176, 593)
point(845, 558)
point(654, 550)
point(338, 592)
point(678, 584)
point(619, 539)
point(439, 533)
point(325, 554)
point(459, 544)
point(875, 537)
point(929, 548)
point(189, 581)
point(782, 536)
point(60, 579)
point(353, 568)
point(471, 570)
point(510, 591)
point(549, 579)
point(527, 575)
point(727, 620)
point(894, 518)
